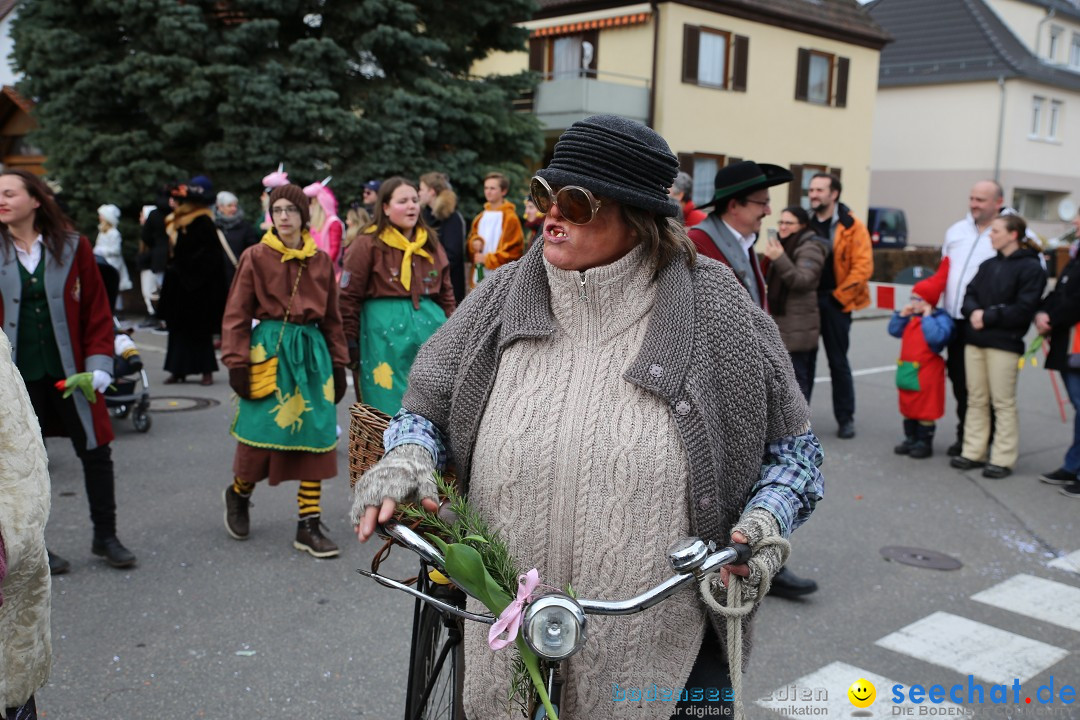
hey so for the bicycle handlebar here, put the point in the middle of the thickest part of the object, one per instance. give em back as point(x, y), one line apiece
point(736, 554)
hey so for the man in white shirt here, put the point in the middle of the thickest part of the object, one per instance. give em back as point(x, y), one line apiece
point(967, 246)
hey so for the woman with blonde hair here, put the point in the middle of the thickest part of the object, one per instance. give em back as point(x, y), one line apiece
point(440, 212)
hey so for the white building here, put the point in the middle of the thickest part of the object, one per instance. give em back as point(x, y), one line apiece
point(975, 89)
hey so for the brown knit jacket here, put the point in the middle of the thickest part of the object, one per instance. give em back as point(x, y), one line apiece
point(713, 356)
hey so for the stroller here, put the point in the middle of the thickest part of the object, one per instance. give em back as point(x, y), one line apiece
point(130, 393)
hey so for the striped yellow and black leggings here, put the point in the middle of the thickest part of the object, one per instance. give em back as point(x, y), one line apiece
point(307, 497)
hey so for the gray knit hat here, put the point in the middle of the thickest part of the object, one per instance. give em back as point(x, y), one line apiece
point(616, 158)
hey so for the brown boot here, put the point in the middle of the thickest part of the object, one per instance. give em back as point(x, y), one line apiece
point(310, 539)
point(237, 522)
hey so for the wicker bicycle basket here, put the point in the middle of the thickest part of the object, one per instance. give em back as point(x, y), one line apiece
point(366, 428)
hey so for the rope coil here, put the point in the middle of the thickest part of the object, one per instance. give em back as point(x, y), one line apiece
point(734, 611)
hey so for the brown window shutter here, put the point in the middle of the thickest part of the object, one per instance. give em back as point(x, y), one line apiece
point(691, 35)
point(802, 74)
point(837, 172)
point(593, 36)
point(537, 48)
point(795, 186)
point(733, 160)
point(686, 163)
point(842, 68)
point(740, 53)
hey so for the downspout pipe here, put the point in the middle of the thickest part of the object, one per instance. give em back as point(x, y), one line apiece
point(655, 55)
point(1001, 131)
point(1038, 31)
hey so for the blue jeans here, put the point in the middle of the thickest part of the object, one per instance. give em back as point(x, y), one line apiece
point(1071, 379)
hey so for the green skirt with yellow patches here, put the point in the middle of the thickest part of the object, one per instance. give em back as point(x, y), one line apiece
point(300, 414)
point(391, 333)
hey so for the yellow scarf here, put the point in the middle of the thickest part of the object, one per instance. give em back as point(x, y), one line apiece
point(287, 253)
point(393, 237)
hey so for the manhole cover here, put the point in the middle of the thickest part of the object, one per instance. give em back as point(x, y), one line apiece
point(921, 557)
point(178, 403)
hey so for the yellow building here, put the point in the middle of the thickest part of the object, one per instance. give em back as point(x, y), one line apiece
point(790, 82)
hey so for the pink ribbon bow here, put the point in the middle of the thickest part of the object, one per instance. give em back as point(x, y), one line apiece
point(510, 619)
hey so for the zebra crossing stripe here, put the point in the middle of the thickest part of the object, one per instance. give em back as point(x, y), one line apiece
point(823, 693)
point(1069, 563)
point(1037, 598)
point(973, 648)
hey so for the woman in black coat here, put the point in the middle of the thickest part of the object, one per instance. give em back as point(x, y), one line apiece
point(999, 305)
point(1056, 319)
point(193, 298)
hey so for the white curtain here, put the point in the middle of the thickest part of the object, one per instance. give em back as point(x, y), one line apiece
point(704, 180)
point(712, 59)
point(818, 90)
point(567, 56)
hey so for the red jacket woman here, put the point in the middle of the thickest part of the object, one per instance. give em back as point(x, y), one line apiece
point(57, 318)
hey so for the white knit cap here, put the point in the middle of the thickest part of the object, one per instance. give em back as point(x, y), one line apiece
point(226, 198)
point(111, 213)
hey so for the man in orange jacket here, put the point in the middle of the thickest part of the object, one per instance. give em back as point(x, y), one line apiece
point(844, 287)
point(495, 238)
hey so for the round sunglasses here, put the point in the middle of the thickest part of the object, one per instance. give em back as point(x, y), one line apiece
point(577, 205)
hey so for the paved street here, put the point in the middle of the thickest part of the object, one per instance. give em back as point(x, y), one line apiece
point(207, 627)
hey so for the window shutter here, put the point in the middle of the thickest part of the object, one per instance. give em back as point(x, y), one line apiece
point(802, 74)
point(739, 56)
point(686, 163)
point(691, 36)
point(836, 171)
point(733, 160)
point(842, 68)
point(537, 48)
point(593, 36)
point(795, 186)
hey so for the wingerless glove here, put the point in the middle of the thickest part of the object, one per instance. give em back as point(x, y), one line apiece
point(339, 384)
point(759, 524)
point(405, 474)
point(240, 381)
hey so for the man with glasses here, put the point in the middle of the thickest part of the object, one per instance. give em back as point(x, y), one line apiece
point(844, 287)
point(728, 234)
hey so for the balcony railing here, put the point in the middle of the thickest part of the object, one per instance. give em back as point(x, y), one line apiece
point(562, 99)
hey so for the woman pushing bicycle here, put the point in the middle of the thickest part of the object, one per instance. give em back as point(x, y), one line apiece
point(605, 395)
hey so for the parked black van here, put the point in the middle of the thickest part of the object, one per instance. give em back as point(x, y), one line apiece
point(888, 227)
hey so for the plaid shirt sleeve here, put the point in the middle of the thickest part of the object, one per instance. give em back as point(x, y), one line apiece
point(409, 428)
point(791, 483)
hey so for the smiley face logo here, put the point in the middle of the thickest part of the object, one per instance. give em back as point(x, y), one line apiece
point(862, 693)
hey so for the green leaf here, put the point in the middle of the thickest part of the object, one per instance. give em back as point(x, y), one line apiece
point(532, 663)
point(476, 538)
point(466, 568)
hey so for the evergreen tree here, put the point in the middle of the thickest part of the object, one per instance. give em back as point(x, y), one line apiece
point(134, 93)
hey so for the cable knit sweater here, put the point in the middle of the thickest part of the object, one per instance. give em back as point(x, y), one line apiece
point(605, 537)
point(706, 384)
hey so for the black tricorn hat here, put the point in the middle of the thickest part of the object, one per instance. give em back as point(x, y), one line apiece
point(746, 177)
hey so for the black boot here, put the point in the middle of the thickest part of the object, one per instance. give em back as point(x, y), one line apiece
point(909, 437)
point(924, 442)
point(787, 584)
point(113, 551)
point(57, 564)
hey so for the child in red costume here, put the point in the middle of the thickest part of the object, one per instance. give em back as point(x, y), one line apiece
point(920, 373)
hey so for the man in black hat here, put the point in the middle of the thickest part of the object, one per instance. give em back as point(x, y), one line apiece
point(728, 234)
point(740, 203)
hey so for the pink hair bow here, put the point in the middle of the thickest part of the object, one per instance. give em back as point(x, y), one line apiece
point(510, 619)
